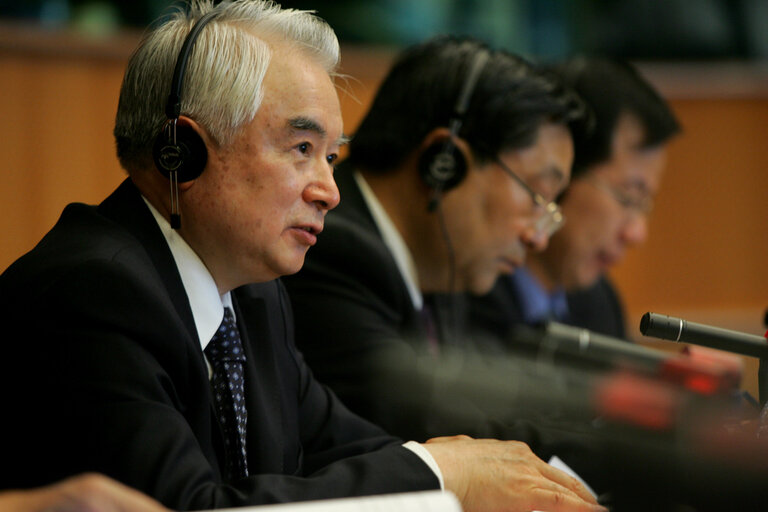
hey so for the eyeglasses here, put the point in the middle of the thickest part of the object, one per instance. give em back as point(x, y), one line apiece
point(550, 217)
point(636, 205)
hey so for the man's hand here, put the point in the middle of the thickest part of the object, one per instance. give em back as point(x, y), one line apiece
point(85, 493)
point(486, 474)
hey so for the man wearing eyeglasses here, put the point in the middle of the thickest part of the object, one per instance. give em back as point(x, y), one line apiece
point(616, 174)
point(450, 181)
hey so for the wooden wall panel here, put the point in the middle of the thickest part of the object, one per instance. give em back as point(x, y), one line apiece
point(708, 242)
point(56, 141)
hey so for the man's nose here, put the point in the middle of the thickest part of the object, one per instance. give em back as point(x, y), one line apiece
point(635, 230)
point(535, 238)
point(323, 190)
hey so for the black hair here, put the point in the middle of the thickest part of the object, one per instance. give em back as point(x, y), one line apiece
point(511, 100)
point(612, 88)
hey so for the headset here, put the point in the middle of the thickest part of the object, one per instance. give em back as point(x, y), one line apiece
point(442, 166)
point(179, 152)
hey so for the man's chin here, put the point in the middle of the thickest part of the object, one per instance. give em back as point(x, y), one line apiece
point(584, 282)
point(483, 285)
point(292, 269)
point(288, 266)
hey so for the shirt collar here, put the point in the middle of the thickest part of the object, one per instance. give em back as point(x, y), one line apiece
point(536, 303)
point(393, 240)
point(204, 299)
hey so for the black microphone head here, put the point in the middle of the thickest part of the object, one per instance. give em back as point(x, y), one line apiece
point(765, 319)
point(644, 323)
point(661, 326)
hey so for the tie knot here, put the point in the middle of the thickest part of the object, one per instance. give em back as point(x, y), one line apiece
point(225, 344)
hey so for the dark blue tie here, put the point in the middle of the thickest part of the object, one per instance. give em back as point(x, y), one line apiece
point(558, 306)
point(430, 329)
point(225, 353)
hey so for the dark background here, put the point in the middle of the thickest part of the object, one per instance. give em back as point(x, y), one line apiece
point(633, 29)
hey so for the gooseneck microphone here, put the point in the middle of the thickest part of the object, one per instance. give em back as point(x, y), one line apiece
point(677, 329)
point(583, 341)
point(577, 346)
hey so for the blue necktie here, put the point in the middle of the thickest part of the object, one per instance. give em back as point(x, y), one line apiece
point(558, 306)
point(225, 353)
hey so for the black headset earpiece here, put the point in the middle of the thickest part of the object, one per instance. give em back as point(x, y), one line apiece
point(186, 155)
point(442, 165)
point(179, 152)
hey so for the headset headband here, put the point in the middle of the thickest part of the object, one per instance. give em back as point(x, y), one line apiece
point(478, 63)
point(173, 107)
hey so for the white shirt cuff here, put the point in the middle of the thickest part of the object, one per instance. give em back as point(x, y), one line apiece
point(424, 455)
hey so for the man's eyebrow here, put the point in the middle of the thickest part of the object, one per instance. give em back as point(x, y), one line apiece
point(306, 124)
point(309, 124)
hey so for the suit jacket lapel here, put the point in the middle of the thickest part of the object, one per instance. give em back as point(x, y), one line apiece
point(265, 443)
point(354, 208)
point(126, 207)
point(352, 203)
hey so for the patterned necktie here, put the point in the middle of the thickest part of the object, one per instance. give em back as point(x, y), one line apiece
point(225, 353)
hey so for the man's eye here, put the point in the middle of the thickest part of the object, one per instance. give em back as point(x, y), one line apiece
point(304, 147)
point(628, 199)
point(332, 158)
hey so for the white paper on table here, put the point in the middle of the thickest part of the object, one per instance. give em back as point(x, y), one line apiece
point(557, 462)
point(423, 501)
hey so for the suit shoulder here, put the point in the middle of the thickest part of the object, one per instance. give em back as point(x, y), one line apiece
point(81, 232)
point(82, 246)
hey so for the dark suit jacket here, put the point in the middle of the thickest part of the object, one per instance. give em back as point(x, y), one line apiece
point(358, 329)
point(493, 316)
point(598, 308)
point(103, 371)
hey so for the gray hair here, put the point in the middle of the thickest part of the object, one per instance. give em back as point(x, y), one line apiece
point(222, 87)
